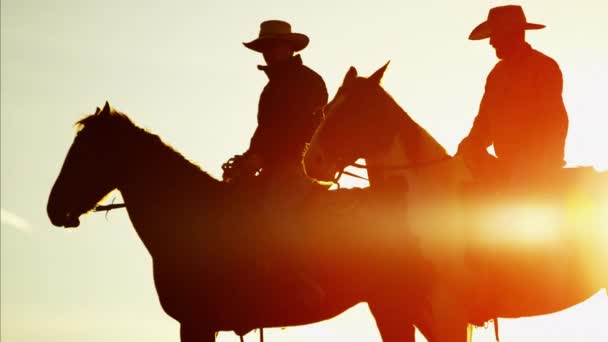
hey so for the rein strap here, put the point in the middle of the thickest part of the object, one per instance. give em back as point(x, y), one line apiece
point(405, 166)
point(109, 207)
point(387, 167)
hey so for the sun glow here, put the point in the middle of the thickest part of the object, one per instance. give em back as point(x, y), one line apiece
point(521, 222)
point(191, 81)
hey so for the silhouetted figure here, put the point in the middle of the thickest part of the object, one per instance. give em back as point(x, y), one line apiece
point(286, 109)
point(522, 112)
point(272, 164)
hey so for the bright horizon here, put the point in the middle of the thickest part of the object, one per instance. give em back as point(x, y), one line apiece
point(181, 71)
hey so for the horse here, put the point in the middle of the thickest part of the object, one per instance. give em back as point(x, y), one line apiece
point(509, 255)
point(219, 262)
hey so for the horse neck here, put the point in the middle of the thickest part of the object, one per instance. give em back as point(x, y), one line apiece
point(160, 188)
point(409, 146)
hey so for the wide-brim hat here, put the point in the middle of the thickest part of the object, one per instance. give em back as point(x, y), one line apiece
point(501, 19)
point(274, 31)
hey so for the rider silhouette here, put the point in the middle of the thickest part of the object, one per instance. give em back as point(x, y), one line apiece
point(286, 109)
point(286, 122)
point(522, 112)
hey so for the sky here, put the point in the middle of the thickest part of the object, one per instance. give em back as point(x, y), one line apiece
point(179, 69)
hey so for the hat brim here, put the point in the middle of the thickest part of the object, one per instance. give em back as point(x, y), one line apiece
point(297, 41)
point(483, 30)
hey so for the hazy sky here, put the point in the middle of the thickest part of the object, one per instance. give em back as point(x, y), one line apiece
point(179, 69)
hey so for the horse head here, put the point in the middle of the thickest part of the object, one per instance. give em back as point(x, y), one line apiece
point(351, 127)
point(85, 178)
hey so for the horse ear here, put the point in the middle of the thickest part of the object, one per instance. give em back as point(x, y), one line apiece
point(351, 74)
point(377, 76)
point(106, 108)
point(97, 110)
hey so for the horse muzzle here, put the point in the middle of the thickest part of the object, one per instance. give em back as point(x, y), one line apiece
point(62, 218)
point(67, 221)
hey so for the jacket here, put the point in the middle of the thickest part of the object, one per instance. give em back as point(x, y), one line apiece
point(522, 114)
point(286, 119)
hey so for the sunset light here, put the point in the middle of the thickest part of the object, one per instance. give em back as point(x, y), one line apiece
point(179, 70)
point(523, 223)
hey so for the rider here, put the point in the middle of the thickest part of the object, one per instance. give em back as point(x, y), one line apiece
point(286, 121)
point(286, 110)
point(522, 112)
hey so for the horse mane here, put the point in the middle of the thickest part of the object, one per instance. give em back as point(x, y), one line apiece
point(417, 141)
point(148, 145)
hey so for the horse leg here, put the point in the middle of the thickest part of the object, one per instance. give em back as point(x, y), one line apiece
point(392, 324)
point(438, 333)
point(189, 332)
point(448, 321)
point(425, 326)
point(452, 333)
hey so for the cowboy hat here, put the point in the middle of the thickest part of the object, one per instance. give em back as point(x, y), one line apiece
point(273, 31)
point(503, 19)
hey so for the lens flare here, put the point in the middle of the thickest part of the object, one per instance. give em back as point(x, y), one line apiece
point(521, 223)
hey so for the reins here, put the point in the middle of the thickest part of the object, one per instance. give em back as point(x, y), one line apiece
point(397, 167)
point(343, 172)
point(109, 207)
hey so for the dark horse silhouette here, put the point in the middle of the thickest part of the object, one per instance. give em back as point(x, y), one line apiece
point(216, 266)
point(510, 255)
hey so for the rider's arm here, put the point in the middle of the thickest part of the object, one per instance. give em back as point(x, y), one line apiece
point(479, 137)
